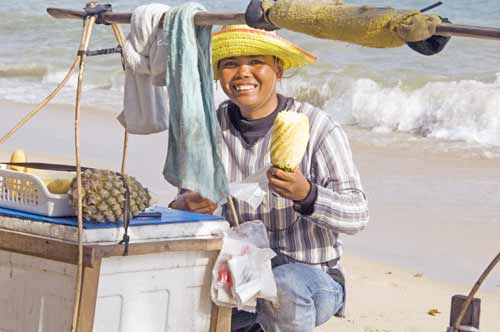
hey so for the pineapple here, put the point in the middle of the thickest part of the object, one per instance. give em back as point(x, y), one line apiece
point(289, 138)
point(57, 186)
point(18, 156)
point(103, 196)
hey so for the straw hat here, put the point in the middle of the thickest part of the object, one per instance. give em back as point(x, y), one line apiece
point(242, 40)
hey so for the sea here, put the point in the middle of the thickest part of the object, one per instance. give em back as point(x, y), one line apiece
point(449, 101)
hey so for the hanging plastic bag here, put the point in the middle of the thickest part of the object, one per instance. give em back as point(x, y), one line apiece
point(242, 273)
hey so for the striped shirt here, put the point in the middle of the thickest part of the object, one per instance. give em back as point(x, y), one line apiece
point(340, 205)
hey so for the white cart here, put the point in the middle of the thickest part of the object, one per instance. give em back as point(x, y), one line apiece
point(163, 284)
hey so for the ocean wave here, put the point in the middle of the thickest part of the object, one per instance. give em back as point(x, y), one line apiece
point(55, 77)
point(28, 70)
point(93, 80)
point(464, 110)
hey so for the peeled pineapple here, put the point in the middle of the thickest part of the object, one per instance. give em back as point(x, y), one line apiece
point(57, 186)
point(289, 138)
point(18, 156)
point(103, 196)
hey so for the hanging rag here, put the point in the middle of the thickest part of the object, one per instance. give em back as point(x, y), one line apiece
point(145, 101)
point(193, 160)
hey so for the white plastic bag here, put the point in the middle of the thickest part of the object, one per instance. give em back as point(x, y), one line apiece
point(242, 272)
point(252, 190)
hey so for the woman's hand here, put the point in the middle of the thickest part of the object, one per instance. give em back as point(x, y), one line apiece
point(289, 185)
point(194, 202)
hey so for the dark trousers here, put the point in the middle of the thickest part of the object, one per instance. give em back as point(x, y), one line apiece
point(242, 321)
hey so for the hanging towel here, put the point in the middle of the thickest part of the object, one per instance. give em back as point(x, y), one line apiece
point(145, 101)
point(193, 161)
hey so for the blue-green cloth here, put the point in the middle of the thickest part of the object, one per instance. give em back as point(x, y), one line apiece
point(193, 160)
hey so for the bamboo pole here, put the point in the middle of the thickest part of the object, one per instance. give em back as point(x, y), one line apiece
point(468, 31)
point(120, 38)
point(234, 215)
point(121, 41)
point(124, 18)
point(125, 147)
point(465, 306)
point(84, 43)
point(43, 103)
point(444, 29)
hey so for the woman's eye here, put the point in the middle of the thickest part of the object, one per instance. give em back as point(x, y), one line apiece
point(256, 62)
point(229, 64)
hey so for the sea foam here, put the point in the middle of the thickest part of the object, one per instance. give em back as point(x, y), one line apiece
point(465, 110)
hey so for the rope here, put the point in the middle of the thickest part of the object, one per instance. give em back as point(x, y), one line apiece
point(97, 10)
point(43, 103)
point(121, 41)
point(84, 43)
point(103, 51)
point(126, 212)
point(126, 216)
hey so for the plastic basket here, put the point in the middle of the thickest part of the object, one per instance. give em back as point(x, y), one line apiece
point(27, 192)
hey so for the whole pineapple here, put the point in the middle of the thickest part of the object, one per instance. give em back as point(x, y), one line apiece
point(289, 138)
point(103, 196)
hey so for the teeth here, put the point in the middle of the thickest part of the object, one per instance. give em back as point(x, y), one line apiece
point(244, 87)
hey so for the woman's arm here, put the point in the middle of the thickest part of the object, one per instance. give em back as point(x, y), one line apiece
point(333, 198)
point(340, 203)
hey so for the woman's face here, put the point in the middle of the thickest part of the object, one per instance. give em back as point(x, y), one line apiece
point(250, 83)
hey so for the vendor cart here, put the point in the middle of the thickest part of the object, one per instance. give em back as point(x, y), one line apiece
point(163, 284)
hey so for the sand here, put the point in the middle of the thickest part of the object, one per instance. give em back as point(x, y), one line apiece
point(432, 214)
point(384, 298)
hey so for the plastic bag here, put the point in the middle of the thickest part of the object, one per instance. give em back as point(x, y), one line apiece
point(242, 273)
point(252, 189)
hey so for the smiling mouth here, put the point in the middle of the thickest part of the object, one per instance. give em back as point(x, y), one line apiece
point(244, 87)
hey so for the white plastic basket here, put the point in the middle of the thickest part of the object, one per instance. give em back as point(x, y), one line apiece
point(27, 193)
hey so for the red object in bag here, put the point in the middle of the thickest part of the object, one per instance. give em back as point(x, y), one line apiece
point(224, 276)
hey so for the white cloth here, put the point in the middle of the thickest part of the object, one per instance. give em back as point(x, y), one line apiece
point(145, 101)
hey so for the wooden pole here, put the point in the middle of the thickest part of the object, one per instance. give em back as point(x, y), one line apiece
point(121, 41)
point(234, 215)
point(473, 291)
point(444, 29)
point(84, 43)
point(124, 18)
point(43, 103)
point(470, 31)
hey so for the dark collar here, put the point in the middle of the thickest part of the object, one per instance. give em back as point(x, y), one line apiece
point(252, 130)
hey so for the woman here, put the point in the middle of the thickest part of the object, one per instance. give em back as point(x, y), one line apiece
point(305, 210)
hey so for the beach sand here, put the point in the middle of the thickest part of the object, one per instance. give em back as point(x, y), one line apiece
point(432, 214)
point(385, 298)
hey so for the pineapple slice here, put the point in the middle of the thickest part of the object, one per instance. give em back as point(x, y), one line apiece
point(18, 156)
point(57, 186)
point(289, 138)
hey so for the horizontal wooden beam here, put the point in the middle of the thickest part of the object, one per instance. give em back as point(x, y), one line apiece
point(67, 252)
point(448, 29)
point(205, 19)
point(124, 18)
point(110, 250)
point(33, 245)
